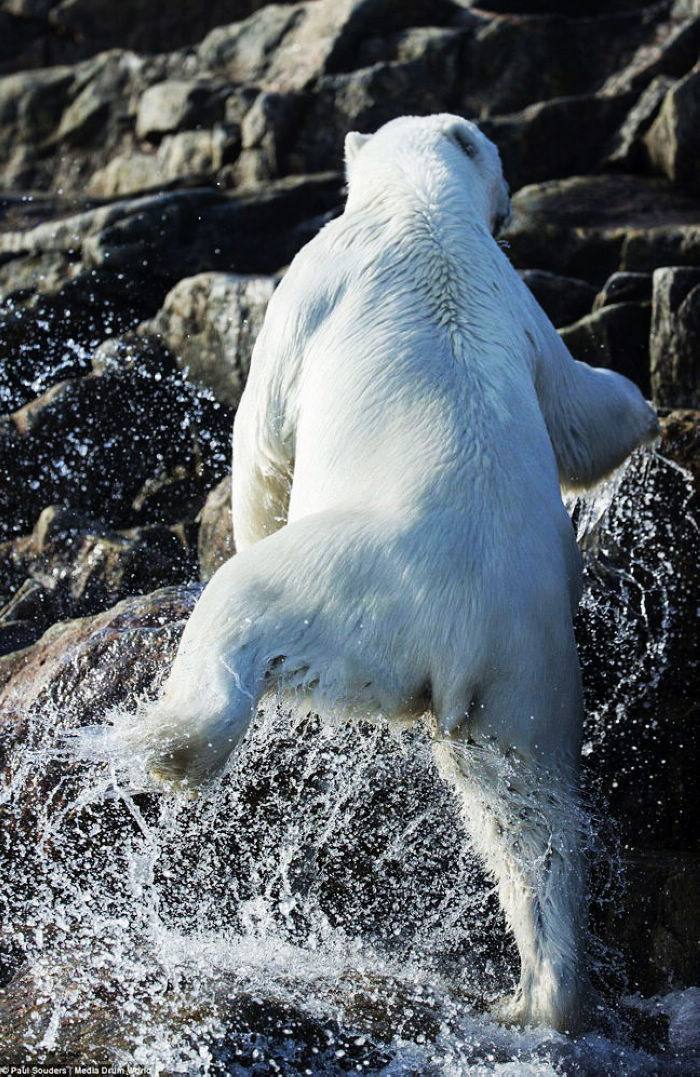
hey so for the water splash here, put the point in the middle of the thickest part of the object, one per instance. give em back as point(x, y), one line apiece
point(318, 909)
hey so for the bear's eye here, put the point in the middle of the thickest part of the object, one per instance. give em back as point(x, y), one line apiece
point(464, 143)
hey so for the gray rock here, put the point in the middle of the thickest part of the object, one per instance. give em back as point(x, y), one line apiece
point(564, 299)
point(624, 288)
point(561, 137)
point(675, 338)
point(673, 141)
point(616, 337)
point(210, 323)
point(590, 226)
point(179, 104)
point(216, 543)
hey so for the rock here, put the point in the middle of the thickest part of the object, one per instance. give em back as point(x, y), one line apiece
point(210, 323)
point(66, 31)
point(669, 47)
point(120, 653)
point(563, 299)
point(73, 566)
point(91, 444)
point(178, 233)
point(49, 336)
point(615, 336)
point(675, 338)
point(514, 61)
point(590, 226)
point(560, 137)
point(673, 141)
point(627, 151)
point(179, 104)
point(624, 288)
point(638, 647)
point(216, 543)
point(365, 99)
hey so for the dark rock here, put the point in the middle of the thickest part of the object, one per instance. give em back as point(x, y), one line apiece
point(615, 336)
point(66, 31)
point(627, 152)
point(673, 141)
point(675, 338)
point(73, 566)
point(624, 288)
point(560, 137)
point(514, 61)
point(669, 47)
point(210, 323)
point(91, 443)
point(48, 336)
point(563, 299)
point(637, 640)
point(590, 226)
point(366, 99)
point(215, 544)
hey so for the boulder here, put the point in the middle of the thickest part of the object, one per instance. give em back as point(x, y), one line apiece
point(559, 137)
point(210, 323)
point(590, 226)
point(47, 336)
point(120, 653)
point(563, 299)
point(94, 444)
point(675, 338)
point(624, 288)
point(615, 336)
point(627, 151)
point(673, 141)
point(72, 566)
point(216, 543)
point(179, 105)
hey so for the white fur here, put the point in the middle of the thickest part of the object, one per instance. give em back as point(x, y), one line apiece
point(402, 543)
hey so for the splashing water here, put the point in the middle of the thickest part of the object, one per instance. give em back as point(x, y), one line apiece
point(318, 910)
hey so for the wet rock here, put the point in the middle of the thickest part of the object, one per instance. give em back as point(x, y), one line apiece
point(624, 288)
point(91, 443)
point(642, 574)
point(673, 140)
point(615, 336)
point(120, 653)
point(675, 338)
point(210, 323)
point(590, 226)
point(48, 336)
point(72, 566)
point(564, 299)
point(215, 542)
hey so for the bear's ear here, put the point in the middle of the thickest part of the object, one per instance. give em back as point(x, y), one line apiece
point(354, 142)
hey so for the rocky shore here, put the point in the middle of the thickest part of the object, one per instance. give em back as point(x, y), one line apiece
point(160, 165)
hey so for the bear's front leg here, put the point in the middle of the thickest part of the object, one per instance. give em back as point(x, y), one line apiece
point(527, 825)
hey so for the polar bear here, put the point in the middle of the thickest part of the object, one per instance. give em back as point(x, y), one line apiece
point(402, 545)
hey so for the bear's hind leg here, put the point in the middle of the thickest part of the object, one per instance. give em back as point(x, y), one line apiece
point(526, 824)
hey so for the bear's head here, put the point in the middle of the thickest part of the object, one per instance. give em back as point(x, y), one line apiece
point(436, 156)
